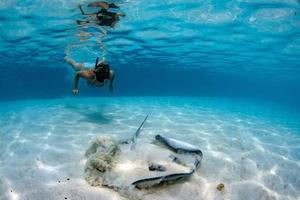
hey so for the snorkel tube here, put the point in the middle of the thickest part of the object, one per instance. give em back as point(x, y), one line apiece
point(96, 64)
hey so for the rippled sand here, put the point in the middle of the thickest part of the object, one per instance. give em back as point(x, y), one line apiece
point(42, 145)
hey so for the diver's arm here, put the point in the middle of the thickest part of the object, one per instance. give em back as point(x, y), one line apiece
point(120, 14)
point(76, 80)
point(86, 74)
point(104, 32)
point(111, 88)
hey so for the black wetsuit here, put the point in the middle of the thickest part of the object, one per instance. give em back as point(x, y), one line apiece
point(102, 72)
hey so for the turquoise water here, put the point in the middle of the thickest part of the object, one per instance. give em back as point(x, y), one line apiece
point(221, 75)
point(213, 47)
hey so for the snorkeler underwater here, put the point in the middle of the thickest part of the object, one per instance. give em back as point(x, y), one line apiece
point(143, 100)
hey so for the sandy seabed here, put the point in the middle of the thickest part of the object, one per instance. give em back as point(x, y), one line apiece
point(42, 146)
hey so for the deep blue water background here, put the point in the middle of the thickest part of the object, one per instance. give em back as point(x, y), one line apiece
point(235, 48)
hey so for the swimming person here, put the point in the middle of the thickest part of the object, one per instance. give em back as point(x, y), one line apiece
point(102, 17)
point(97, 76)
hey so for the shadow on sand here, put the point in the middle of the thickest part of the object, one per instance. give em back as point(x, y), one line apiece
point(91, 114)
point(95, 117)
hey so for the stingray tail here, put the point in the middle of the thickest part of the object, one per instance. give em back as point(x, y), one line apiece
point(136, 134)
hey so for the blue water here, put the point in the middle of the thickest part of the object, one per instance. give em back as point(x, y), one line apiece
point(215, 48)
point(221, 75)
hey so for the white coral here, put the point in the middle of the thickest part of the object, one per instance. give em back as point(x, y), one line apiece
point(100, 154)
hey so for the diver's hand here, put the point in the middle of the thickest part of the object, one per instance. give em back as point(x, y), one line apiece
point(75, 92)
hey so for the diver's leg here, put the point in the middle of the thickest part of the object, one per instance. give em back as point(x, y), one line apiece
point(83, 13)
point(76, 66)
point(80, 8)
point(100, 4)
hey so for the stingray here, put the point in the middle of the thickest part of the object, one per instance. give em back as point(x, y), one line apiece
point(176, 146)
point(104, 159)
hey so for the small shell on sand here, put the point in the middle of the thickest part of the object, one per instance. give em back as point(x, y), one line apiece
point(221, 187)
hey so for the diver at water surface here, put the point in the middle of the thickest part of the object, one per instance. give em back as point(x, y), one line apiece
point(97, 76)
point(102, 17)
